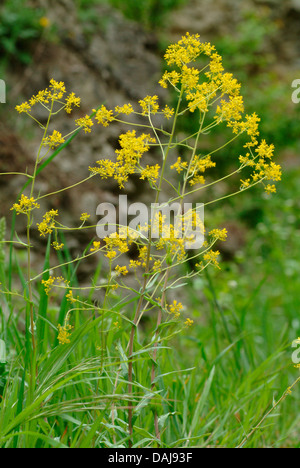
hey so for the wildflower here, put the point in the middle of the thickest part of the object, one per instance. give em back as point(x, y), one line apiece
point(44, 22)
point(270, 189)
point(151, 173)
point(126, 109)
point(104, 116)
point(134, 263)
point(121, 270)
point(54, 140)
point(132, 149)
point(149, 105)
point(63, 333)
point(48, 284)
point(175, 308)
point(85, 122)
point(57, 246)
point(211, 257)
point(189, 322)
point(168, 112)
point(24, 107)
point(189, 77)
point(84, 217)
point(48, 223)
point(57, 89)
point(185, 51)
point(71, 101)
point(70, 297)
point(199, 166)
point(113, 243)
point(25, 205)
point(179, 165)
point(219, 234)
point(171, 77)
point(96, 246)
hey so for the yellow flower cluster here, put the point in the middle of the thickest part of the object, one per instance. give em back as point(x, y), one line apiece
point(52, 281)
point(219, 234)
point(211, 257)
point(175, 308)
point(85, 122)
point(115, 243)
point(63, 333)
point(104, 116)
point(121, 270)
point(149, 105)
point(48, 223)
point(25, 205)
point(132, 149)
point(221, 89)
point(151, 173)
point(55, 92)
point(53, 140)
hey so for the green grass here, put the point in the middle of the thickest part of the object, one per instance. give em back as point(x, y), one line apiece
point(215, 381)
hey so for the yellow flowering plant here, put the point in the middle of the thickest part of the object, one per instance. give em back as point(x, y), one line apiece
point(211, 96)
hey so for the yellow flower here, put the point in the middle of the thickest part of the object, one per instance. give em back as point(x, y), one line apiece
point(70, 297)
point(44, 22)
point(127, 109)
point(151, 173)
point(219, 234)
point(104, 116)
point(71, 100)
point(63, 333)
point(57, 246)
point(48, 284)
point(48, 223)
point(189, 322)
point(270, 189)
point(175, 308)
point(179, 165)
point(57, 89)
point(121, 270)
point(54, 140)
point(185, 51)
point(168, 112)
point(86, 123)
point(211, 257)
point(132, 149)
point(149, 105)
point(24, 107)
point(84, 217)
point(25, 205)
point(96, 246)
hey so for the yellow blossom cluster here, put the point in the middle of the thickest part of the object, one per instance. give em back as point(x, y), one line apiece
point(25, 205)
point(52, 281)
point(53, 140)
point(63, 333)
point(48, 224)
point(131, 150)
point(55, 92)
point(114, 244)
point(151, 173)
point(218, 89)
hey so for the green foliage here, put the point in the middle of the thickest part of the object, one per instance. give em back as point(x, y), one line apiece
point(19, 26)
point(150, 13)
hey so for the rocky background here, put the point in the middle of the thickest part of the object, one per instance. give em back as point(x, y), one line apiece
point(106, 58)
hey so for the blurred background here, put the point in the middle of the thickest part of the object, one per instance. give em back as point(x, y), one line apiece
point(111, 51)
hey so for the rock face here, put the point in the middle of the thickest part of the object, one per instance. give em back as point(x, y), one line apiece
point(223, 17)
